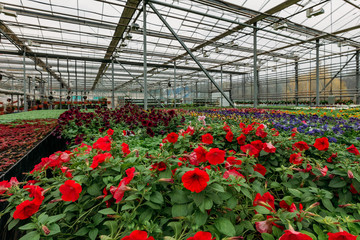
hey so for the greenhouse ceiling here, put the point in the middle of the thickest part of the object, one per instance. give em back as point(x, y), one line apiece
point(77, 42)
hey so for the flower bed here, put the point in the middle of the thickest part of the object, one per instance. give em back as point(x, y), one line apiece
point(206, 180)
point(18, 138)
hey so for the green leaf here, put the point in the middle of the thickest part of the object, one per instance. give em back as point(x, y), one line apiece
point(28, 226)
point(13, 223)
point(179, 196)
point(246, 193)
point(217, 187)
point(295, 192)
point(153, 205)
point(82, 231)
point(327, 203)
point(337, 183)
point(146, 215)
point(179, 210)
point(320, 233)
point(309, 234)
point(157, 197)
point(126, 207)
point(107, 211)
point(198, 198)
point(232, 202)
point(94, 190)
point(43, 218)
point(267, 236)
point(200, 218)
point(224, 226)
point(54, 229)
point(93, 233)
point(55, 218)
point(262, 210)
point(112, 225)
point(177, 227)
point(34, 235)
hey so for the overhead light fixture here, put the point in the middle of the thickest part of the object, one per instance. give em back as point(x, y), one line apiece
point(311, 12)
point(128, 36)
point(232, 43)
point(7, 12)
point(135, 27)
point(32, 43)
point(123, 44)
point(279, 25)
point(218, 50)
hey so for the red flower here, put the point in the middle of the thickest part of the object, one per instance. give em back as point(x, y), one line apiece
point(293, 235)
point(190, 130)
point(103, 144)
point(138, 235)
point(260, 169)
point(101, 157)
point(125, 149)
point(207, 138)
point(195, 180)
point(65, 170)
point(354, 150)
point(250, 149)
point(269, 148)
point(300, 146)
point(264, 226)
point(229, 136)
point(295, 158)
point(26, 209)
point(201, 236)
point(276, 132)
point(322, 144)
point(160, 166)
point(215, 156)
point(353, 190)
point(230, 161)
point(172, 137)
point(4, 186)
point(247, 130)
point(260, 132)
point(119, 191)
point(36, 193)
point(70, 191)
point(341, 236)
point(226, 127)
point(232, 172)
point(110, 132)
point(200, 154)
point(258, 144)
point(330, 159)
point(241, 139)
point(265, 200)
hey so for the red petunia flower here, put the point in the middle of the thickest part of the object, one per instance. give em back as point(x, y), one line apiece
point(160, 166)
point(215, 156)
point(138, 235)
point(172, 137)
point(322, 144)
point(195, 180)
point(65, 170)
point(250, 149)
point(241, 139)
point(229, 136)
point(119, 191)
point(36, 192)
point(4, 186)
point(201, 236)
point(125, 149)
point(230, 161)
point(242, 125)
point(207, 138)
point(269, 148)
point(264, 226)
point(103, 143)
point(226, 127)
point(70, 191)
point(295, 158)
point(353, 190)
point(293, 235)
point(258, 144)
point(276, 132)
point(354, 150)
point(247, 130)
point(265, 200)
point(260, 169)
point(190, 130)
point(101, 157)
point(300, 146)
point(26, 209)
point(200, 154)
point(110, 132)
point(341, 236)
point(330, 159)
point(260, 132)
point(232, 172)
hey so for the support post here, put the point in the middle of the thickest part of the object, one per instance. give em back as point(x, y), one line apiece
point(221, 83)
point(255, 67)
point(112, 85)
point(317, 72)
point(18, 103)
point(357, 76)
point(76, 83)
point(190, 53)
point(230, 95)
point(175, 84)
point(196, 90)
point(145, 57)
point(25, 95)
point(297, 82)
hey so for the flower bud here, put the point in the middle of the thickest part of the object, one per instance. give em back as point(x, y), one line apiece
point(45, 229)
point(169, 180)
point(314, 205)
point(345, 205)
point(350, 174)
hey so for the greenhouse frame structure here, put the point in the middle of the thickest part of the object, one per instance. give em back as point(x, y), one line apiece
point(196, 51)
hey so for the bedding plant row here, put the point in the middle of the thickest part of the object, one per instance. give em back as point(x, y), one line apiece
point(198, 180)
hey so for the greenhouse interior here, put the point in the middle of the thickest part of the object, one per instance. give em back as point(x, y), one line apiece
point(180, 120)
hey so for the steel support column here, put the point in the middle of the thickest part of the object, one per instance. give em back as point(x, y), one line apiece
point(145, 57)
point(221, 83)
point(255, 67)
point(25, 95)
point(357, 76)
point(190, 53)
point(174, 83)
point(112, 85)
point(297, 82)
point(317, 72)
